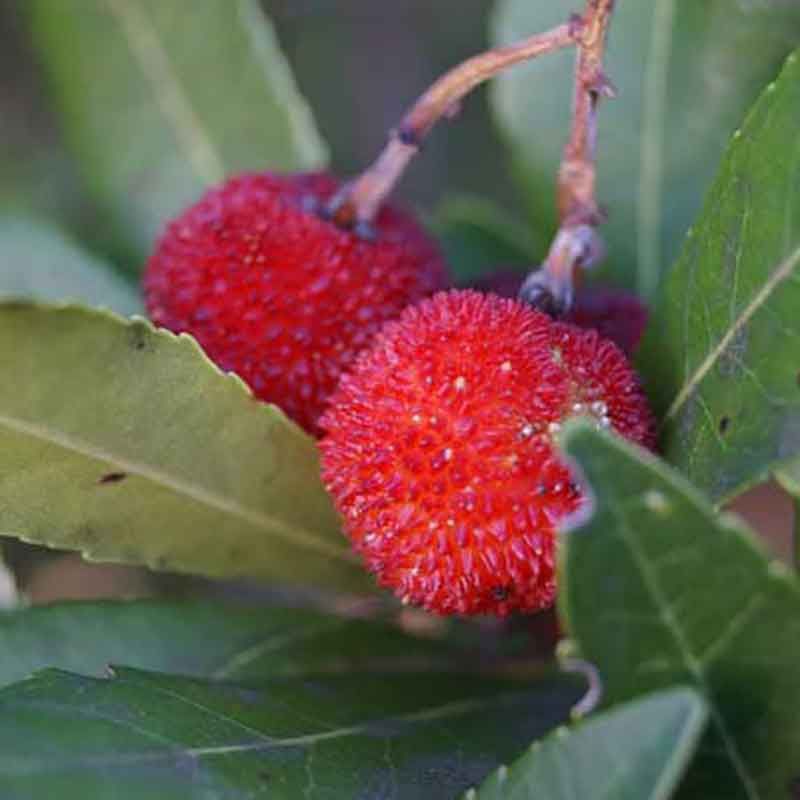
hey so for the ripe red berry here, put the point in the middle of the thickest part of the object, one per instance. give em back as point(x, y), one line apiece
point(614, 313)
point(439, 448)
point(277, 294)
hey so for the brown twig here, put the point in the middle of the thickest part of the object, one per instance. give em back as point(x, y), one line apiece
point(359, 201)
point(577, 243)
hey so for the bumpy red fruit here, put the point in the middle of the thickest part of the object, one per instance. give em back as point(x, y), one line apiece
point(279, 295)
point(440, 454)
point(614, 313)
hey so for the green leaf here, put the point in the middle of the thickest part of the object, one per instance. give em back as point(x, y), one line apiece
point(128, 444)
point(205, 640)
point(144, 735)
point(159, 101)
point(639, 750)
point(39, 262)
point(479, 238)
point(657, 589)
point(683, 87)
point(722, 360)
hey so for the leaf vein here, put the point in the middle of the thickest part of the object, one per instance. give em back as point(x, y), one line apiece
point(781, 273)
point(691, 662)
point(199, 494)
point(170, 96)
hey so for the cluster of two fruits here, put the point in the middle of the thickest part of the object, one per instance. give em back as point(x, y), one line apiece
point(437, 411)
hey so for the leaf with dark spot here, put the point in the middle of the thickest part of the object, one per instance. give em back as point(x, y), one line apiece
point(112, 477)
point(724, 342)
point(216, 484)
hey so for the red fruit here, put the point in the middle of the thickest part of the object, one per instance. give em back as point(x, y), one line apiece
point(614, 313)
point(439, 448)
point(279, 295)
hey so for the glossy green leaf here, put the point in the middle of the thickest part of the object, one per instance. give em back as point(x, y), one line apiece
point(160, 100)
point(207, 640)
point(39, 262)
point(479, 238)
point(144, 735)
point(722, 360)
point(683, 85)
point(639, 750)
point(657, 589)
point(128, 444)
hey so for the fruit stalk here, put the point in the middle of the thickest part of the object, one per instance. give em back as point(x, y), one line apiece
point(360, 200)
point(576, 179)
point(577, 243)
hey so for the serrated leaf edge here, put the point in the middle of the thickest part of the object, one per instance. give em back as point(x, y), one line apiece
point(211, 499)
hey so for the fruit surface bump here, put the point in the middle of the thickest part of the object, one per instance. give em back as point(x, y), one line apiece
point(279, 295)
point(439, 448)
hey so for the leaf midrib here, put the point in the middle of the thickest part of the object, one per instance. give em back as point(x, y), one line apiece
point(455, 709)
point(780, 274)
point(619, 780)
point(690, 661)
point(171, 97)
point(292, 534)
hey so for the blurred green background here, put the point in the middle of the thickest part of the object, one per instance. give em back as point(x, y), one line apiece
point(358, 62)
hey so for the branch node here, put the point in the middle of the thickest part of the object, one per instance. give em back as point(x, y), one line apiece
point(406, 134)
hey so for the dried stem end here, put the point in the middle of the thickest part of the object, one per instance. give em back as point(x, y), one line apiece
point(552, 288)
point(577, 245)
